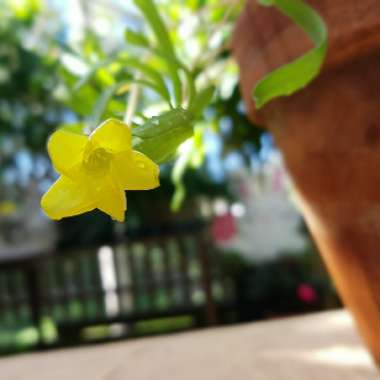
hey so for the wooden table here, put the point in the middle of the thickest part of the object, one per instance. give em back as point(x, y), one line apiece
point(319, 346)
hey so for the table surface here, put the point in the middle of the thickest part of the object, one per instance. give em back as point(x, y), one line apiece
point(317, 346)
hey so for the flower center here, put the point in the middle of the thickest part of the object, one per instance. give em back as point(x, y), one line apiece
point(97, 161)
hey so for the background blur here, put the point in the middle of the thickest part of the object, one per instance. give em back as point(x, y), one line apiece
point(236, 250)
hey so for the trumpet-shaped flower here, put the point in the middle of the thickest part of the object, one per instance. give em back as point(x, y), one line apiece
point(95, 170)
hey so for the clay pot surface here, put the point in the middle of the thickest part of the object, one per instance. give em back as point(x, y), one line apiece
point(329, 134)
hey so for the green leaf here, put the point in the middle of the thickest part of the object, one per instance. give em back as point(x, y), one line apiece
point(202, 100)
point(158, 125)
point(160, 136)
point(102, 103)
point(149, 10)
point(151, 14)
point(136, 38)
point(176, 65)
point(81, 101)
point(295, 75)
point(157, 82)
point(73, 128)
point(92, 72)
point(153, 86)
point(152, 74)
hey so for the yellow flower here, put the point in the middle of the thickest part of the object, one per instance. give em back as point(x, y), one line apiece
point(95, 170)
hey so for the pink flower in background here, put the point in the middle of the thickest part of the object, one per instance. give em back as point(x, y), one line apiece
point(307, 293)
point(223, 228)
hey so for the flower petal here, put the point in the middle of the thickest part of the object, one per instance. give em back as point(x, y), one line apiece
point(135, 171)
point(112, 135)
point(66, 149)
point(67, 198)
point(111, 200)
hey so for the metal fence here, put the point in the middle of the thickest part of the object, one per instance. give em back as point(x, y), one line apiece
point(167, 275)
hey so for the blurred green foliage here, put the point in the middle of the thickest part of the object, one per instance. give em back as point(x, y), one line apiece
point(48, 82)
point(273, 288)
point(28, 111)
point(176, 62)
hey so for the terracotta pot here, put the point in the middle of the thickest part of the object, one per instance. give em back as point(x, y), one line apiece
point(329, 134)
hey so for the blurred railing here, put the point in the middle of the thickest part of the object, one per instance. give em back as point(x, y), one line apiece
point(142, 278)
